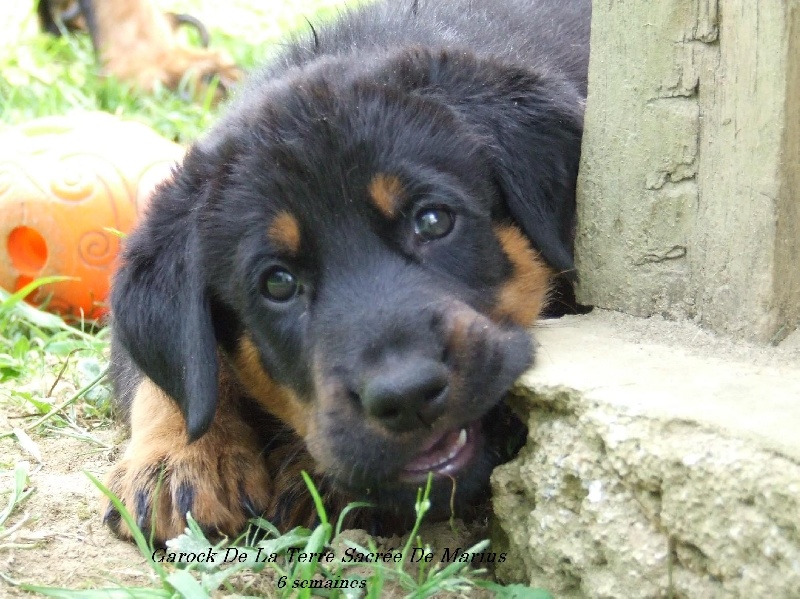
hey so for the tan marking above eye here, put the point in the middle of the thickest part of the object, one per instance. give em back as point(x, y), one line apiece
point(524, 295)
point(284, 231)
point(386, 192)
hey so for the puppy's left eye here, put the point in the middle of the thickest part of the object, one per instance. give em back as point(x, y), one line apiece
point(279, 285)
point(433, 223)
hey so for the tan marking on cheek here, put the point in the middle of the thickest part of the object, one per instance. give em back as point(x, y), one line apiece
point(284, 231)
point(278, 400)
point(385, 191)
point(522, 298)
point(318, 444)
point(333, 406)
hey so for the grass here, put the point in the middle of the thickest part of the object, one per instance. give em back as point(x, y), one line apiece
point(295, 576)
point(19, 492)
point(52, 374)
point(43, 76)
point(34, 343)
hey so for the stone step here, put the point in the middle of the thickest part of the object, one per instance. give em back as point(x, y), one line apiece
point(662, 461)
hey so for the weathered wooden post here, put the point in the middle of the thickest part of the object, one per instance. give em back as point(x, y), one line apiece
point(689, 192)
point(664, 461)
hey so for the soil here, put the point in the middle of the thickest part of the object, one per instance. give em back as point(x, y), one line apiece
point(63, 542)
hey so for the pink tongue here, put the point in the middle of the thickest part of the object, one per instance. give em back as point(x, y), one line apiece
point(434, 451)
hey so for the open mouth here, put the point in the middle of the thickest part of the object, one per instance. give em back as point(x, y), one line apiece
point(443, 455)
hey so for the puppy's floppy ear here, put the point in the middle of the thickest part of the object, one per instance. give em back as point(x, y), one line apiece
point(535, 152)
point(160, 306)
point(530, 125)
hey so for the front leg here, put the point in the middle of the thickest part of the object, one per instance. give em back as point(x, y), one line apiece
point(221, 478)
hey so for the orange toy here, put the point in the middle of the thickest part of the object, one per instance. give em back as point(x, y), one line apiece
point(64, 181)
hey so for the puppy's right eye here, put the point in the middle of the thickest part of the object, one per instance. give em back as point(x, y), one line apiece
point(279, 285)
point(433, 223)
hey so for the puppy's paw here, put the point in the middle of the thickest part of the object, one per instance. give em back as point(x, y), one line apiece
point(222, 489)
point(221, 478)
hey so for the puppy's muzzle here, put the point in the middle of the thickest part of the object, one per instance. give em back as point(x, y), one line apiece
point(406, 393)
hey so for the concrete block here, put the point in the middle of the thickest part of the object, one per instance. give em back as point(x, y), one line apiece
point(661, 461)
point(689, 191)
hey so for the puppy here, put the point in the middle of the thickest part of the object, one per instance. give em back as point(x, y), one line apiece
point(137, 43)
point(339, 276)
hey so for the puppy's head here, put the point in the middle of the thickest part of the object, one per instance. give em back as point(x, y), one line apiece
point(365, 256)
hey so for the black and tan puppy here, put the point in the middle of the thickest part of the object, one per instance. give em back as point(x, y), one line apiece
point(339, 276)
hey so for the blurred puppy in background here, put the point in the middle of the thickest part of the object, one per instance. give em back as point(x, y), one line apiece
point(139, 44)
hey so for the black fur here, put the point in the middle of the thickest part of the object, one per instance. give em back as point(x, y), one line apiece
point(474, 106)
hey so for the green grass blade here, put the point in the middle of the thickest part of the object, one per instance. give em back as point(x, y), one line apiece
point(318, 504)
point(266, 525)
point(455, 567)
point(513, 591)
point(19, 493)
point(317, 543)
point(56, 409)
point(144, 548)
point(421, 507)
point(183, 582)
point(348, 508)
point(12, 299)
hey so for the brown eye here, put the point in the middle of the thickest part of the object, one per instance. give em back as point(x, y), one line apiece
point(433, 223)
point(279, 285)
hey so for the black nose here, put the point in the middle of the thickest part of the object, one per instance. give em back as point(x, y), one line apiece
point(407, 394)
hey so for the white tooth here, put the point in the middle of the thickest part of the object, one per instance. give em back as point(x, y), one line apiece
point(460, 442)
